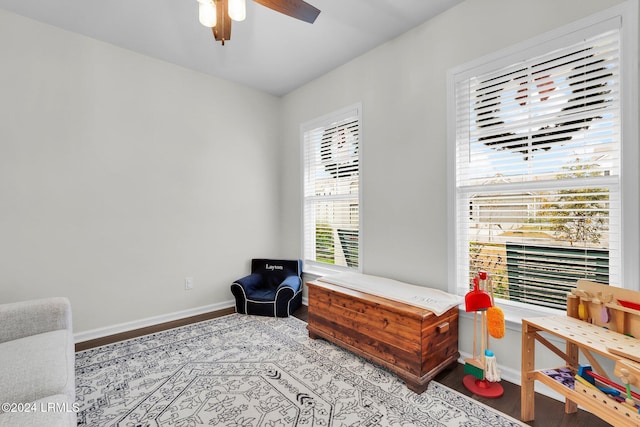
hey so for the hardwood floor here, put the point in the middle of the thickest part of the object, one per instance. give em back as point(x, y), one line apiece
point(110, 339)
point(549, 412)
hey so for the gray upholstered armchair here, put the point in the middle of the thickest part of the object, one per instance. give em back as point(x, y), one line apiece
point(37, 363)
point(274, 288)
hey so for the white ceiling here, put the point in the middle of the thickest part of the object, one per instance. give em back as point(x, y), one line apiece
point(268, 51)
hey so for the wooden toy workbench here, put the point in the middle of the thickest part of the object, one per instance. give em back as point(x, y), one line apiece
point(595, 323)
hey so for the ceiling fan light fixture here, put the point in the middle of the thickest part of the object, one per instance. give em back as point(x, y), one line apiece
point(207, 13)
point(218, 14)
point(237, 10)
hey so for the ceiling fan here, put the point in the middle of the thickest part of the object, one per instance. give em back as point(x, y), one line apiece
point(218, 14)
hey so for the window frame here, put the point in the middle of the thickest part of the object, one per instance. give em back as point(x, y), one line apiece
point(312, 266)
point(630, 197)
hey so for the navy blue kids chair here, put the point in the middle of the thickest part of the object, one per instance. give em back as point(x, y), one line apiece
point(274, 288)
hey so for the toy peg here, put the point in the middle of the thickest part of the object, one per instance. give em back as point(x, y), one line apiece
point(583, 312)
point(607, 298)
point(627, 379)
point(572, 305)
point(598, 298)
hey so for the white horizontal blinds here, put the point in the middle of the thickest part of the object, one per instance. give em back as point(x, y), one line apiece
point(538, 172)
point(331, 190)
point(538, 243)
point(557, 106)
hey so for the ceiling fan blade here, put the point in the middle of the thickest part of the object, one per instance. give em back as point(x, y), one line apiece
point(222, 30)
point(295, 8)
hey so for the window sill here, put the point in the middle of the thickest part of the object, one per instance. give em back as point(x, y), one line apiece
point(315, 271)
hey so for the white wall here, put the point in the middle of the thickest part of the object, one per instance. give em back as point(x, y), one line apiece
point(402, 87)
point(121, 175)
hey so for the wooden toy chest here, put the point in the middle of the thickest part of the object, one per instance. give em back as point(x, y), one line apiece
point(410, 341)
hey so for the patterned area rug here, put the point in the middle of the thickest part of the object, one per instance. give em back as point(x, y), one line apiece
point(255, 371)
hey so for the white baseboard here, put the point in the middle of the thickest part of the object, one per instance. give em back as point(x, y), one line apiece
point(514, 376)
point(149, 321)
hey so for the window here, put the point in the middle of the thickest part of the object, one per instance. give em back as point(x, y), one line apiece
point(331, 191)
point(538, 177)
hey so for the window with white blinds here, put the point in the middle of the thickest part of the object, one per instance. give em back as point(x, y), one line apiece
point(331, 175)
point(538, 168)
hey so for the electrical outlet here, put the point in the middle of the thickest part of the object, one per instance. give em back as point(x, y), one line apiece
point(188, 283)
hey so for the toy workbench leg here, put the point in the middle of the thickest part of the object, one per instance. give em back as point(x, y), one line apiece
point(527, 392)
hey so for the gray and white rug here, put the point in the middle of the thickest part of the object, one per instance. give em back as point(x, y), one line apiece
point(255, 371)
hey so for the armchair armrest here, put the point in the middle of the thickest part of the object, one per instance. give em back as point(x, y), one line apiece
point(26, 318)
point(292, 282)
point(250, 282)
